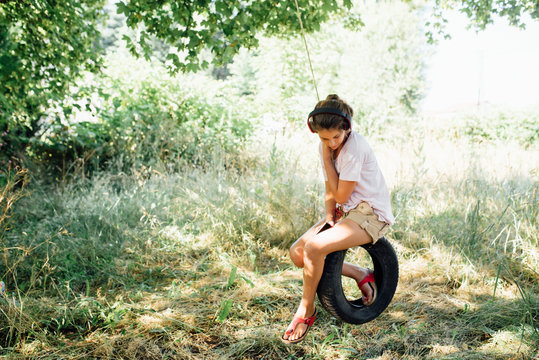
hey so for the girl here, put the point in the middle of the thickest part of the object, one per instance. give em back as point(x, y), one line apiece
point(358, 209)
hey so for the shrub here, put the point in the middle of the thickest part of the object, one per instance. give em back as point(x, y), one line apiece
point(142, 119)
point(520, 126)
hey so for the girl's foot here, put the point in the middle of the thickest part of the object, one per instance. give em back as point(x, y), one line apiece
point(298, 328)
point(368, 288)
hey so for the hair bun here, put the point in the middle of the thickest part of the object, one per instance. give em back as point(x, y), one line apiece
point(333, 97)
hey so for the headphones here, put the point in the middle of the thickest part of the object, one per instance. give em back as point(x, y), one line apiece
point(332, 111)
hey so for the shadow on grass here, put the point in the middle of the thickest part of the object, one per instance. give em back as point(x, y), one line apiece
point(423, 322)
point(116, 272)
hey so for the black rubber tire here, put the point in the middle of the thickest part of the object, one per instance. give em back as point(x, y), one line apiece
point(386, 275)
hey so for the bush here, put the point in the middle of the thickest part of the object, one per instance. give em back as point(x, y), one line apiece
point(43, 48)
point(146, 119)
point(519, 126)
point(490, 124)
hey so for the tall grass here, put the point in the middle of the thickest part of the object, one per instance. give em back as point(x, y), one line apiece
point(193, 263)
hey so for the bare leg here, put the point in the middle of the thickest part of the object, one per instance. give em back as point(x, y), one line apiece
point(349, 270)
point(344, 235)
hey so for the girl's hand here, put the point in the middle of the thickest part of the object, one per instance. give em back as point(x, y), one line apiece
point(327, 153)
point(330, 219)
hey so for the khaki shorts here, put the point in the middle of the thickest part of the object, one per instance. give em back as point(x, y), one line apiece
point(364, 216)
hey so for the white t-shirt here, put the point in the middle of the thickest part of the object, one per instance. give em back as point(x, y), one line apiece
point(356, 162)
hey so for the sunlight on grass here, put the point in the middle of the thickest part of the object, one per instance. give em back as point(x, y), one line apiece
point(201, 266)
point(506, 339)
point(154, 219)
point(443, 350)
point(191, 261)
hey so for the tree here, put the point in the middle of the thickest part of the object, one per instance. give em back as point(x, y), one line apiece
point(222, 26)
point(225, 26)
point(481, 12)
point(44, 46)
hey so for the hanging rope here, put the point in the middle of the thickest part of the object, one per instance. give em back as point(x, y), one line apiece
point(307, 49)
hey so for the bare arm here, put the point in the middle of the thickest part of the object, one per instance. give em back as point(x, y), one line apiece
point(330, 206)
point(339, 190)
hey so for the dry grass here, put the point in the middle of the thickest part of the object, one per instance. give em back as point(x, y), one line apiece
point(202, 272)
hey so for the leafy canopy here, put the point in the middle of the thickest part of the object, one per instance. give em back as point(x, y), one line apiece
point(44, 46)
point(222, 26)
point(482, 12)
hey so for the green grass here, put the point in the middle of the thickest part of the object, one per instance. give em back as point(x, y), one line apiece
point(193, 264)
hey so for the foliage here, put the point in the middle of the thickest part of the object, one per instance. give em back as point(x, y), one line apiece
point(114, 30)
point(222, 26)
point(493, 125)
point(377, 69)
point(481, 13)
point(519, 126)
point(45, 46)
point(145, 120)
point(136, 114)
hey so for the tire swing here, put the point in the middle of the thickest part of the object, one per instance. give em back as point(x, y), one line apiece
point(386, 267)
point(386, 276)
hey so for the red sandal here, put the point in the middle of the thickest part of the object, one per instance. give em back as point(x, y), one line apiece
point(297, 320)
point(369, 279)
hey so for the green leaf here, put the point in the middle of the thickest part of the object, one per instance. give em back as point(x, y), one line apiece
point(121, 8)
point(127, 39)
point(232, 277)
point(226, 305)
point(247, 280)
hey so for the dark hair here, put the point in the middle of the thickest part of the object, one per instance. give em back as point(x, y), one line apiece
point(331, 121)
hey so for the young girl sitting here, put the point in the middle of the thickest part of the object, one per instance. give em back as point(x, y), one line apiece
point(358, 209)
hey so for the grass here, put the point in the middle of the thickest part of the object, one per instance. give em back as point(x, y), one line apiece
point(193, 264)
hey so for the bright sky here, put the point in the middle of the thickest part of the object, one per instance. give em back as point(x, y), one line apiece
point(498, 66)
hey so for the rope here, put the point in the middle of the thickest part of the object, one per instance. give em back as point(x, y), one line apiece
point(307, 49)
